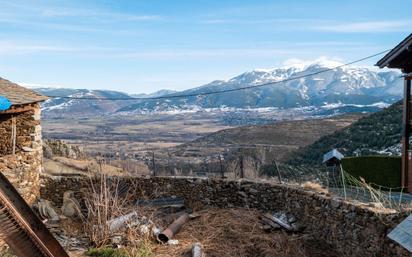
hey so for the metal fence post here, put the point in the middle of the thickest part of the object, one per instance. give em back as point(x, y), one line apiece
point(278, 171)
point(241, 165)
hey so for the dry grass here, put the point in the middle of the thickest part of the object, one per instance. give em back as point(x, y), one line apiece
point(222, 232)
point(233, 232)
point(315, 187)
point(225, 233)
point(63, 165)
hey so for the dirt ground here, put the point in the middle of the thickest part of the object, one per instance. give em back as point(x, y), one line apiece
point(236, 232)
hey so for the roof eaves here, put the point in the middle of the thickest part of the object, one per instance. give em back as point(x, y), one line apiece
point(402, 46)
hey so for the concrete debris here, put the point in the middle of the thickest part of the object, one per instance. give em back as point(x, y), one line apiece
point(71, 207)
point(173, 242)
point(281, 219)
point(197, 250)
point(117, 240)
point(121, 222)
point(269, 224)
point(46, 211)
point(156, 231)
point(71, 243)
point(133, 221)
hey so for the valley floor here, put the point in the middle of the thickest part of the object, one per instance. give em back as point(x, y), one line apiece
point(188, 136)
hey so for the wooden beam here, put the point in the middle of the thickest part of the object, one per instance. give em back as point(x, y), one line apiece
point(13, 134)
point(406, 176)
point(18, 109)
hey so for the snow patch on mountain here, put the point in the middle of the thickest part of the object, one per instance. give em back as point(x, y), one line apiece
point(301, 65)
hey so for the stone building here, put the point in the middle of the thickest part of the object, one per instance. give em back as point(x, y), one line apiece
point(20, 139)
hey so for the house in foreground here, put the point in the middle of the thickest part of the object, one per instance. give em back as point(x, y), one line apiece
point(20, 139)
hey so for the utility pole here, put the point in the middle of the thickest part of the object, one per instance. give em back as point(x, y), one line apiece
point(222, 172)
point(206, 166)
point(154, 164)
point(168, 164)
point(241, 165)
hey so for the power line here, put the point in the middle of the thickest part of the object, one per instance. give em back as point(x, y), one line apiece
point(221, 91)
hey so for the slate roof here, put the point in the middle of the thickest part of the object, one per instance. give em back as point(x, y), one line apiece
point(19, 95)
point(332, 154)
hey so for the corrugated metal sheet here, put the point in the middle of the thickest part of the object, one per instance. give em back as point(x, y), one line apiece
point(332, 154)
point(402, 234)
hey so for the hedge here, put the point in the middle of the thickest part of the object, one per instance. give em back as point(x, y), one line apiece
point(381, 170)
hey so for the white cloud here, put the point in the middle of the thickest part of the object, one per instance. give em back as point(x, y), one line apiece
point(35, 85)
point(320, 24)
point(12, 48)
point(19, 9)
point(87, 13)
point(368, 26)
point(204, 53)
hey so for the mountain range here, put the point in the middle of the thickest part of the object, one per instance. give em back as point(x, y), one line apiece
point(341, 90)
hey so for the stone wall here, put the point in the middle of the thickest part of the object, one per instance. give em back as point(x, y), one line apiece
point(354, 230)
point(24, 167)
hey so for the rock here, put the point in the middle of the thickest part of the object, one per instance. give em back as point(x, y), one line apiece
point(291, 219)
point(243, 194)
point(335, 204)
point(46, 211)
point(70, 207)
point(253, 191)
point(117, 240)
point(53, 148)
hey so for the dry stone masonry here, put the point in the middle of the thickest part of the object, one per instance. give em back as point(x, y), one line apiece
point(24, 167)
point(352, 229)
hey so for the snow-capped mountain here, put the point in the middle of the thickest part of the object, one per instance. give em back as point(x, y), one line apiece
point(60, 106)
point(65, 106)
point(343, 87)
point(341, 90)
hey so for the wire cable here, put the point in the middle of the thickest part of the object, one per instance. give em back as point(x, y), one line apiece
point(220, 91)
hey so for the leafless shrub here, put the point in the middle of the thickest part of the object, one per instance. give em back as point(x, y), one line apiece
point(102, 203)
point(106, 200)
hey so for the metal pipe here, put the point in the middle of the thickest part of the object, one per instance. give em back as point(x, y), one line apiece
point(173, 229)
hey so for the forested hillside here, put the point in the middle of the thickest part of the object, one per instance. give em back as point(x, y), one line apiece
point(378, 133)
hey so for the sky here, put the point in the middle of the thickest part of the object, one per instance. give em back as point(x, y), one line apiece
point(140, 46)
